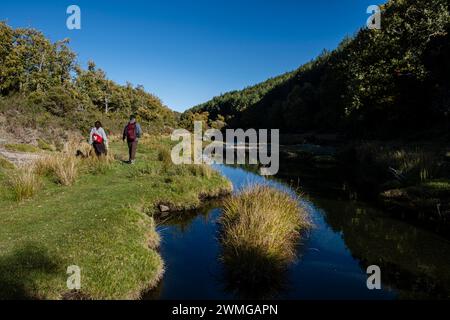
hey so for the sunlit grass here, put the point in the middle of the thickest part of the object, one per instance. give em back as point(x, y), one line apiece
point(102, 223)
point(24, 183)
point(21, 148)
point(261, 227)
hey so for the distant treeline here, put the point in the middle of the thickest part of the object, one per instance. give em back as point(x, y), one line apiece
point(38, 76)
point(378, 84)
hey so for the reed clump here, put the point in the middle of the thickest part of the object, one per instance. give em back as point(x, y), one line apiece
point(260, 229)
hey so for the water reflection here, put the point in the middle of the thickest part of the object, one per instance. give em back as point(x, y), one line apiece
point(414, 261)
point(347, 238)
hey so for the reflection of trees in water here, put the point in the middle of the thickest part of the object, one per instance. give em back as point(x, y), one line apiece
point(414, 261)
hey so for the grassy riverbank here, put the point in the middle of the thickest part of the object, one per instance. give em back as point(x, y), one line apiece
point(102, 222)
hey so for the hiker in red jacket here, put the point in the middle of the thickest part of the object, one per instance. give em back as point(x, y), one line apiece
point(132, 133)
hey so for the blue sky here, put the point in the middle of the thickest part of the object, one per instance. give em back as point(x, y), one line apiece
point(188, 51)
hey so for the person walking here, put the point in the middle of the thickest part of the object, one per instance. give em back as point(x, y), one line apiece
point(132, 133)
point(98, 139)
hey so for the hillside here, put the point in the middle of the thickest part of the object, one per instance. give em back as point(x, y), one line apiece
point(386, 83)
point(45, 93)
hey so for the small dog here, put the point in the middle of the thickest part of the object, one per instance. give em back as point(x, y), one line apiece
point(81, 155)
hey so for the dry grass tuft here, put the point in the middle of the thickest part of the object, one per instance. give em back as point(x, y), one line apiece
point(260, 230)
point(63, 167)
point(24, 183)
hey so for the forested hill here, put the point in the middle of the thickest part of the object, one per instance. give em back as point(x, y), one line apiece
point(42, 87)
point(380, 83)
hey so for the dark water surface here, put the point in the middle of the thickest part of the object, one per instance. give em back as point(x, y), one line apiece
point(348, 236)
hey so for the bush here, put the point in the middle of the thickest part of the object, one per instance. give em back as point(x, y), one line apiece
point(58, 101)
point(24, 183)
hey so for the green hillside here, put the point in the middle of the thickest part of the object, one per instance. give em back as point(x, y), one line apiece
point(43, 88)
point(383, 83)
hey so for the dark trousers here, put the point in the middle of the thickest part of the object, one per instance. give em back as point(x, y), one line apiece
point(99, 149)
point(132, 147)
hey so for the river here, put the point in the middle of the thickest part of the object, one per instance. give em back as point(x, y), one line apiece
point(348, 236)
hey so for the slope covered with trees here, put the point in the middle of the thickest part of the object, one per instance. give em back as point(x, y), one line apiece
point(378, 84)
point(42, 85)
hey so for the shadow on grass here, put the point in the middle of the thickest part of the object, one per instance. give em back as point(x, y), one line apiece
point(20, 270)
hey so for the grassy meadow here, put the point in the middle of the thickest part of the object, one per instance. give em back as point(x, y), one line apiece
point(96, 214)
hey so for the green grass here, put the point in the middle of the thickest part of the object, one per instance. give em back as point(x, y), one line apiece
point(261, 227)
point(102, 223)
point(24, 183)
point(5, 164)
point(44, 145)
point(21, 148)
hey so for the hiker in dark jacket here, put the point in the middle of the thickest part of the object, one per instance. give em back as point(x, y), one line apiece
point(132, 133)
point(98, 139)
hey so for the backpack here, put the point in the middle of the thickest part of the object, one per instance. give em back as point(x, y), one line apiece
point(97, 138)
point(131, 132)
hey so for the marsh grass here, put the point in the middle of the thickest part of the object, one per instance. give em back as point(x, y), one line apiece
point(260, 229)
point(410, 165)
point(24, 183)
point(164, 156)
point(99, 165)
point(66, 170)
point(62, 167)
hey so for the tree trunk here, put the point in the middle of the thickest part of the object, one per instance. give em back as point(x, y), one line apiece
point(106, 105)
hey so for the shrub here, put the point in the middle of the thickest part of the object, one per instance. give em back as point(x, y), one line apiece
point(260, 229)
point(24, 183)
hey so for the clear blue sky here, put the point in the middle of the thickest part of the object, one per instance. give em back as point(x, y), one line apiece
point(188, 51)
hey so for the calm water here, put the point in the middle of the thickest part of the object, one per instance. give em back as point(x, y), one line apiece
point(332, 260)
